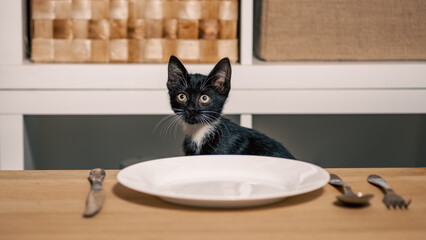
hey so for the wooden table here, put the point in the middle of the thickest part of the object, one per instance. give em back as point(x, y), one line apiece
point(49, 205)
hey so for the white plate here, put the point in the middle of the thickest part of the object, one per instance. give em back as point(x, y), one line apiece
point(223, 180)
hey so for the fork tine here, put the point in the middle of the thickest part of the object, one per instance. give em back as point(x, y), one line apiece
point(398, 202)
point(401, 202)
point(407, 203)
point(386, 203)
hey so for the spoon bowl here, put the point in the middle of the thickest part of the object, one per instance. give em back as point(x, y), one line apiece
point(349, 198)
point(355, 199)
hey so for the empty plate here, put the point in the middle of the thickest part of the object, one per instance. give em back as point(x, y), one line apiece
point(223, 180)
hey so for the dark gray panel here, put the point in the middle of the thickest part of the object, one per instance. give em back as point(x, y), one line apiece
point(350, 140)
point(84, 142)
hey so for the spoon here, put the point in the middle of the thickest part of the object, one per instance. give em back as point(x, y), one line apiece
point(349, 198)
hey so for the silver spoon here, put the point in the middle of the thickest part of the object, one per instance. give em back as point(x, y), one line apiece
point(349, 197)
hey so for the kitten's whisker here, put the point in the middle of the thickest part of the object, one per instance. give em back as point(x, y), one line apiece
point(224, 125)
point(209, 119)
point(212, 121)
point(162, 121)
point(167, 125)
point(176, 124)
point(206, 111)
point(164, 127)
point(204, 119)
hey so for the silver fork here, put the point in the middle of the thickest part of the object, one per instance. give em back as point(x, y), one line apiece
point(391, 198)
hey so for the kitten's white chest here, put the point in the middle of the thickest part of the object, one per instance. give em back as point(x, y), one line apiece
point(198, 133)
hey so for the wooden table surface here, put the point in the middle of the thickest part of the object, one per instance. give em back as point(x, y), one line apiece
point(49, 205)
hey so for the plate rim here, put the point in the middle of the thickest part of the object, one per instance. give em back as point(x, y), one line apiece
point(279, 195)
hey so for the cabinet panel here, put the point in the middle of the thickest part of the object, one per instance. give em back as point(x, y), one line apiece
point(84, 142)
point(350, 140)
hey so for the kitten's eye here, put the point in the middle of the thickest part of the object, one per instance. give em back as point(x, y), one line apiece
point(205, 99)
point(181, 97)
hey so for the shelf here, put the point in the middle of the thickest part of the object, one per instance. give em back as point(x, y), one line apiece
point(153, 102)
point(258, 76)
point(258, 88)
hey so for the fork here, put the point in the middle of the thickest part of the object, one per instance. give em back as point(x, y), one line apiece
point(391, 198)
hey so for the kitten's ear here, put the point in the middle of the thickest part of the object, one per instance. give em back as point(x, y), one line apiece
point(220, 76)
point(176, 73)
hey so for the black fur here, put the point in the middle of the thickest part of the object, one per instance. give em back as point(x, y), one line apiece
point(225, 137)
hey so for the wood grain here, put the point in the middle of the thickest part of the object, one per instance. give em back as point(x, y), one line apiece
point(99, 29)
point(154, 28)
point(62, 29)
point(80, 29)
point(228, 29)
point(188, 29)
point(208, 51)
point(42, 28)
point(49, 205)
point(117, 21)
point(153, 50)
point(227, 48)
point(118, 28)
point(118, 50)
point(170, 28)
point(43, 9)
point(99, 51)
point(136, 28)
point(99, 9)
point(81, 50)
point(209, 29)
point(63, 9)
point(63, 50)
point(42, 50)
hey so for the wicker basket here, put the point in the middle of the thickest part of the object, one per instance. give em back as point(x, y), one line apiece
point(288, 30)
point(134, 30)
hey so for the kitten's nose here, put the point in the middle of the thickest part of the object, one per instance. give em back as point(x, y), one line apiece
point(191, 116)
point(191, 111)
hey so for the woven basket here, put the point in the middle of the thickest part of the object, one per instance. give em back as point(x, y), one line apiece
point(134, 30)
point(288, 30)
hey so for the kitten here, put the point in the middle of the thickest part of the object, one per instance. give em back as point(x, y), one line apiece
point(198, 100)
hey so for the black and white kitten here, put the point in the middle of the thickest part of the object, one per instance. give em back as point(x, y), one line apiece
point(198, 101)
